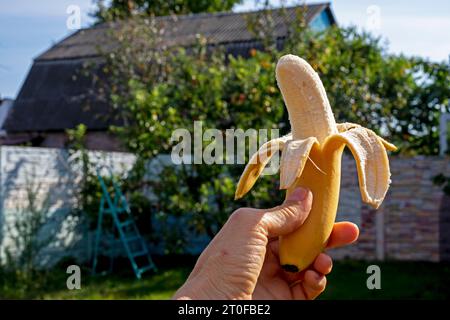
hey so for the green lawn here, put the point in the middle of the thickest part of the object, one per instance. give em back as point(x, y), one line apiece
point(399, 280)
point(157, 286)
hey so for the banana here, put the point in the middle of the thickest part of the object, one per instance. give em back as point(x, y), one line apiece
point(311, 157)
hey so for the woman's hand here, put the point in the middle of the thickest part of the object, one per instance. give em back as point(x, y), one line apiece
point(242, 262)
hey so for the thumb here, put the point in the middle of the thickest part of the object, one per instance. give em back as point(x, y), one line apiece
point(287, 217)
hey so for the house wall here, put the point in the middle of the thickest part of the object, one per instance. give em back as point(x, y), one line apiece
point(95, 140)
point(413, 222)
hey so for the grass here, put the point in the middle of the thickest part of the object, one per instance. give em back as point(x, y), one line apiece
point(399, 280)
point(160, 286)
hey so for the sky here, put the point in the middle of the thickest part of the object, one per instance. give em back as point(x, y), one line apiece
point(29, 27)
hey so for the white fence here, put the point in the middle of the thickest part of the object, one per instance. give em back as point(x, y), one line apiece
point(47, 173)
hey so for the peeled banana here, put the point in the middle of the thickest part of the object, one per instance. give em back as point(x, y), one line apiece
point(311, 158)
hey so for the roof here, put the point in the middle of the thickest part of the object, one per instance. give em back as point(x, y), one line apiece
point(53, 97)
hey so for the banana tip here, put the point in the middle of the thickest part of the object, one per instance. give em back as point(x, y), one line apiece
point(290, 268)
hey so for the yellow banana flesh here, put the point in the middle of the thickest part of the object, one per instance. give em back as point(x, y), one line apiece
point(299, 249)
point(310, 113)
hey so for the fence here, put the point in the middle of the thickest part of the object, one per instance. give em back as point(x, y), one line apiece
point(48, 174)
point(413, 222)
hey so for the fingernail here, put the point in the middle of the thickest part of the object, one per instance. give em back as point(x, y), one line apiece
point(299, 194)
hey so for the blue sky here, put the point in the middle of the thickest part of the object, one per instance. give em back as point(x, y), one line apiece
point(412, 27)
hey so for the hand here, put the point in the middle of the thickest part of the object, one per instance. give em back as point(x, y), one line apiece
point(241, 262)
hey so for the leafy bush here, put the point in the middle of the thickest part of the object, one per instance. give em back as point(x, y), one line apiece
point(30, 231)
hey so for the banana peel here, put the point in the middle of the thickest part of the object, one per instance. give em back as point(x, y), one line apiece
point(311, 157)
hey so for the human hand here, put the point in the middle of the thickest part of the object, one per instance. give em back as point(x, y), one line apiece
point(241, 262)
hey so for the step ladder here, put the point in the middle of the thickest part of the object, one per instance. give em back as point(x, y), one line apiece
point(114, 203)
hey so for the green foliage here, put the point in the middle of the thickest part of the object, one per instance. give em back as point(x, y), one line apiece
point(120, 9)
point(398, 97)
point(197, 87)
point(89, 188)
point(89, 192)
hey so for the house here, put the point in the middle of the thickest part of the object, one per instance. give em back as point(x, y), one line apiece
point(53, 99)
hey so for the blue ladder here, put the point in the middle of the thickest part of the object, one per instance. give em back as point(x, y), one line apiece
point(134, 244)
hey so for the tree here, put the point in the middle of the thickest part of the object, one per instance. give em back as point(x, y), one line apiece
point(157, 90)
point(120, 9)
point(399, 97)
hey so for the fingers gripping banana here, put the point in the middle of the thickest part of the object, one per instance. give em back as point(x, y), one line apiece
point(311, 158)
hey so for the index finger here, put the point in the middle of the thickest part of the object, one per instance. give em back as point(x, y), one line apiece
point(343, 233)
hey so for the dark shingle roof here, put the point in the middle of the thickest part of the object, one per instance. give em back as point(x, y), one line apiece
point(53, 99)
point(218, 28)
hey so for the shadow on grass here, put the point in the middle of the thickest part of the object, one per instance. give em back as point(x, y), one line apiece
point(399, 280)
